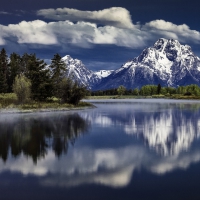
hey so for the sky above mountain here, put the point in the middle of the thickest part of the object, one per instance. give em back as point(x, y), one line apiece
point(103, 34)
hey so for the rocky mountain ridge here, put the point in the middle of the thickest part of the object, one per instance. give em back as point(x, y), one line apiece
point(166, 62)
point(82, 74)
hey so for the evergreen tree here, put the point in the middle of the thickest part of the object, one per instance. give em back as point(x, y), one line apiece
point(65, 90)
point(14, 69)
point(25, 63)
point(4, 73)
point(58, 70)
point(41, 83)
point(159, 89)
point(78, 92)
point(72, 92)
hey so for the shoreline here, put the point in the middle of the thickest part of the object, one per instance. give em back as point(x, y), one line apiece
point(144, 97)
point(15, 110)
point(42, 110)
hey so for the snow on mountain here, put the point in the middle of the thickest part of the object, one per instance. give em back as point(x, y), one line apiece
point(167, 62)
point(103, 73)
point(77, 70)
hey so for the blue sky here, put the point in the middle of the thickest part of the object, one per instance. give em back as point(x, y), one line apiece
point(103, 34)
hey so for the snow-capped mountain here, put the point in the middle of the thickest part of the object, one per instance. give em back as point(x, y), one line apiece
point(77, 70)
point(103, 73)
point(167, 62)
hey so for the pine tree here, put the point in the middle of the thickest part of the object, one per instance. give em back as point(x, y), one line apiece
point(4, 73)
point(58, 71)
point(14, 69)
point(72, 92)
point(41, 83)
point(25, 63)
point(78, 92)
point(158, 88)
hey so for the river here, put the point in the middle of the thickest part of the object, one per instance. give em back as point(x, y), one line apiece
point(122, 149)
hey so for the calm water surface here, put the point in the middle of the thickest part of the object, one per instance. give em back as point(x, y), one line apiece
point(123, 149)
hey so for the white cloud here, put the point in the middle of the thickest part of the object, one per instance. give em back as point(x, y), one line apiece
point(117, 27)
point(121, 37)
point(2, 41)
point(2, 35)
point(82, 34)
point(115, 16)
point(33, 32)
point(86, 34)
point(183, 33)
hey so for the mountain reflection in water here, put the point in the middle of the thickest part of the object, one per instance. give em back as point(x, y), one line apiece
point(124, 139)
point(32, 135)
point(166, 128)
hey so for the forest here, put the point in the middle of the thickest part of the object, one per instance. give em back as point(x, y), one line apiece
point(32, 80)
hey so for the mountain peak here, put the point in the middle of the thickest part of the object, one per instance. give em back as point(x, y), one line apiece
point(160, 43)
point(167, 62)
point(67, 57)
point(82, 74)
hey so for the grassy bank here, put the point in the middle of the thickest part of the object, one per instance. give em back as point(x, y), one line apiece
point(9, 101)
point(175, 96)
point(115, 97)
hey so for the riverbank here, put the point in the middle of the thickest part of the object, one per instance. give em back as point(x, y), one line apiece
point(12, 111)
point(43, 107)
point(8, 103)
point(176, 96)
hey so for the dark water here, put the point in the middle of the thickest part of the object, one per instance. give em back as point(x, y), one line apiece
point(129, 149)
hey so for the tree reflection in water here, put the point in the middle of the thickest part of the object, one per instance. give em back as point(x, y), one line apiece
point(35, 135)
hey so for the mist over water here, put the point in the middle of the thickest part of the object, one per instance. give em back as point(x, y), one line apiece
point(122, 149)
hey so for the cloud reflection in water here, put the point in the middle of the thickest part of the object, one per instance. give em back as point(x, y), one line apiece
point(168, 129)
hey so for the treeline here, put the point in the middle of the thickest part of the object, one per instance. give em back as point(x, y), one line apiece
point(20, 74)
point(149, 90)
